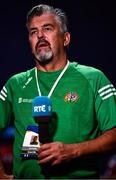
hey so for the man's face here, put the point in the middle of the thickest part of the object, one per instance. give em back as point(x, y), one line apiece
point(45, 37)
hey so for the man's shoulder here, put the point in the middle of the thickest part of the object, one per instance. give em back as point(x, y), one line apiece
point(22, 76)
point(20, 79)
point(87, 71)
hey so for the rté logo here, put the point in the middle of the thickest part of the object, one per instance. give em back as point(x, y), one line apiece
point(42, 108)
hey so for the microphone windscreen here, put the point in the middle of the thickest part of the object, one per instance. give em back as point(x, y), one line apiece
point(41, 106)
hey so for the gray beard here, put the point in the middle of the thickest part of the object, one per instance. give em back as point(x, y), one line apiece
point(44, 57)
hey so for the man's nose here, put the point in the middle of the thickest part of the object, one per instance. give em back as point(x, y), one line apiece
point(40, 34)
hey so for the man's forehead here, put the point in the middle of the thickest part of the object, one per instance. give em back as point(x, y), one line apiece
point(48, 17)
point(43, 20)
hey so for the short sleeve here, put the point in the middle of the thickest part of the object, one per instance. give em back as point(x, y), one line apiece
point(105, 103)
point(5, 105)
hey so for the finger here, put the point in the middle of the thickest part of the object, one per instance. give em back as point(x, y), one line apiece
point(44, 154)
point(44, 147)
point(55, 162)
point(46, 159)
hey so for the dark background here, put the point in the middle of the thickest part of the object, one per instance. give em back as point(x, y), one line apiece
point(93, 42)
point(92, 27)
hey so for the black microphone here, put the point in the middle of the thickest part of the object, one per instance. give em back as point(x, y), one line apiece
point(42, 113)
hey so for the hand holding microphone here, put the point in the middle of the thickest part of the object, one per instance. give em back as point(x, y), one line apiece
point(57, 152)
point(41, 145)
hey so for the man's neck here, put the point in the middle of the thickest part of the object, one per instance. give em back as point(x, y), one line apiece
point(51, 66)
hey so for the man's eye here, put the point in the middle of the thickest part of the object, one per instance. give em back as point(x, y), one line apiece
point(32, 32)
point(48, 29)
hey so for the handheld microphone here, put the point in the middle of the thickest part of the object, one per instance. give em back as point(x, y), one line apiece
point(42, 113)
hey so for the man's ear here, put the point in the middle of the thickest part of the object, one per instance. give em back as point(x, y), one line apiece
point(66, 38)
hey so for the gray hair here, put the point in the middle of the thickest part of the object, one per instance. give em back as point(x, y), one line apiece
point(44, 9)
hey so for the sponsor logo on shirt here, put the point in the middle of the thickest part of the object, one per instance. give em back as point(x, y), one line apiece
point(71, 97)
point(24, 100)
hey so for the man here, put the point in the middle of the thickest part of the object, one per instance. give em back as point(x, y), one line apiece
point(83, 101)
